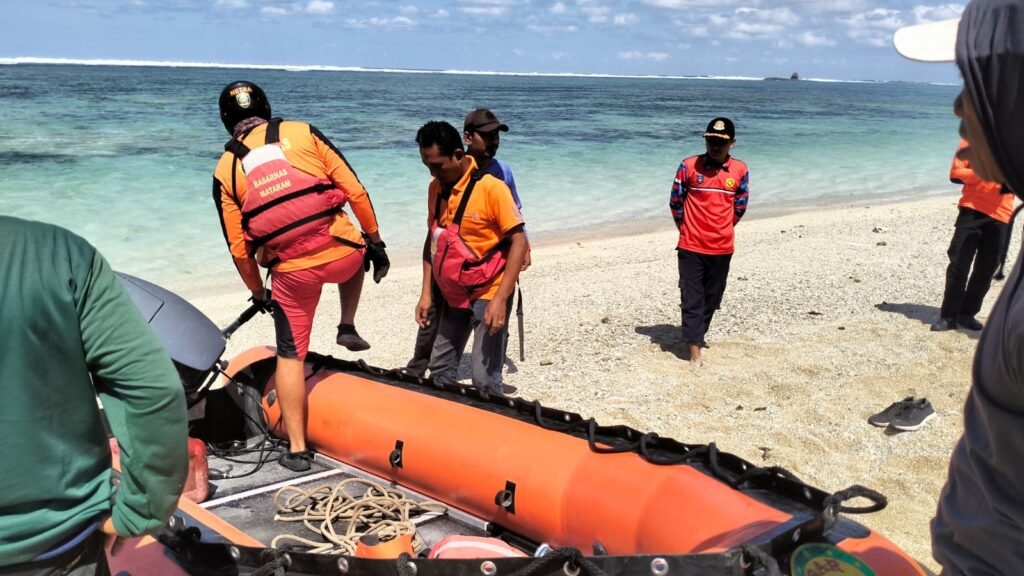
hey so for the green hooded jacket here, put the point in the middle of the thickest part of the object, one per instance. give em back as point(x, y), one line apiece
point(68, 332)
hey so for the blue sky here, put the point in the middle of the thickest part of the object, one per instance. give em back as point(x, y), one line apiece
point(845, 39)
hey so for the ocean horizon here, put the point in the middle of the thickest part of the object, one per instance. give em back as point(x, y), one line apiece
point(22, 60)
point(122, 152)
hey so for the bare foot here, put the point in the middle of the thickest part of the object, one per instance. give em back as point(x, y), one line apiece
point(695, 359)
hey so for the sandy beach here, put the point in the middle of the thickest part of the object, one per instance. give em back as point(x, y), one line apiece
point(825, 321)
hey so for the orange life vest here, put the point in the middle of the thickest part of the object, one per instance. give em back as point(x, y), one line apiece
point(285, 210)
point(458, 271)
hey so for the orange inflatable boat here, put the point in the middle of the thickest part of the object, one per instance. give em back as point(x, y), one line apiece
point(547, 491)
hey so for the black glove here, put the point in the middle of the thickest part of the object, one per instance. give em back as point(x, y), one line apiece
point(375, 254)
point(265, 303)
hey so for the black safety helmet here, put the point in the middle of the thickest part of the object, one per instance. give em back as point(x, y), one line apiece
point(240, 100)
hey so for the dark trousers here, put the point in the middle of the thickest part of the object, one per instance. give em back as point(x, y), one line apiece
point(977, 239)
point(425, 336)
point(86, 559)
point(488, 349)
point(701, 284)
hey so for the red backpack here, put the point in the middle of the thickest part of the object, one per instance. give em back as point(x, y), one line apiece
point(458, 271)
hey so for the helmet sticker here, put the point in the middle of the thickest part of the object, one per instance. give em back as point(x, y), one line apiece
point(242, 96)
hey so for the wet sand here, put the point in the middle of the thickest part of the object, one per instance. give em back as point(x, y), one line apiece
point(825, 321)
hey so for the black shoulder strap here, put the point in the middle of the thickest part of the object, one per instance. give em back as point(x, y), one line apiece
point(465, 196)
point(274, 131)
point(273, 136)
point(237, 148)
point(437, 206)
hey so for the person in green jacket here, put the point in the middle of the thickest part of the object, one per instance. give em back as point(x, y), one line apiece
point(71, 332)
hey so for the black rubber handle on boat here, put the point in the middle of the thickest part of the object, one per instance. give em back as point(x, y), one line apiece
point(255, 308)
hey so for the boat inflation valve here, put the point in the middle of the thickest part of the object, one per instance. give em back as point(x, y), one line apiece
point(395, 457)
point(507, 497)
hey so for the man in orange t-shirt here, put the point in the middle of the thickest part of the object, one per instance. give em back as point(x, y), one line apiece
point(491, 221)
point(978, 236)
point(333, 251)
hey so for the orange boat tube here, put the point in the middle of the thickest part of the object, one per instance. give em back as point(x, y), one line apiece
point(553, 477)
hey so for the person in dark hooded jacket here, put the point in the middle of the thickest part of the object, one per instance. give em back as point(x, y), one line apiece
point(979, 525)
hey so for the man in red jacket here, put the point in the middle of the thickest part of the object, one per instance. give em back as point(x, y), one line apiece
point(985, 211)
point(709, 196)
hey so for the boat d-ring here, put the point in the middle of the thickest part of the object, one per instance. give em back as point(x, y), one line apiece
point(569, 570)
point(506, 498)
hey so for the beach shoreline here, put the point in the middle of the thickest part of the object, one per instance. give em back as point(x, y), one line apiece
point(228, 281)
point(825, 321)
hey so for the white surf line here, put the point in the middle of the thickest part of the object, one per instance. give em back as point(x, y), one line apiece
point(270, 487)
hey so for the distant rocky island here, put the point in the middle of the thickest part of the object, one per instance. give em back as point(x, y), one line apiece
point(793, 76)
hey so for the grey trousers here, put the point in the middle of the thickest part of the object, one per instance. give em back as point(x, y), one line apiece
point(488, 349)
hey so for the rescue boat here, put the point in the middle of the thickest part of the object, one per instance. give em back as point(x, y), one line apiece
point(513, 486)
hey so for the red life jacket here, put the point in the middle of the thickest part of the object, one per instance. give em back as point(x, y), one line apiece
point(286, 210)
point(458, 271)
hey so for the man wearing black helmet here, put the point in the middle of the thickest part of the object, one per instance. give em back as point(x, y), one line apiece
point(979, 525)
point(280, 188)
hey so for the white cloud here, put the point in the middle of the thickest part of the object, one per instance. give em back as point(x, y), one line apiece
point(486, 7)
point(594, 11)
point(750, 30)
point(808, 38)
point(687, 4)
point(233, 4)
point(544, 29)
point(626, 19)
point(782, 16)
point(719, 20)
point(396, 23)
point(874, 27)
point(483, 10)
point(519, 52)
point(637, 55)
point(319, 7)
point(924, 14)
point(877, 19)
point(559, 55)
point(558, 8)
point(442, 13)
point(408, 10)
point(273, 11)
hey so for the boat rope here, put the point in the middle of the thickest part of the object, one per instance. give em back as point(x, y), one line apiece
point(276, 567)
point(567, 561)
point(706, 454)
point(365, 506)
point(755, 558)
point(834, 503)
point(404, 565)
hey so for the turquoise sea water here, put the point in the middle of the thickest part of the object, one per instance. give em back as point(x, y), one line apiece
point(124, 155)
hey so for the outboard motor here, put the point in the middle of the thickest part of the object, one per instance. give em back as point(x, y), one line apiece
point(227, 415)
point(194, 343)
